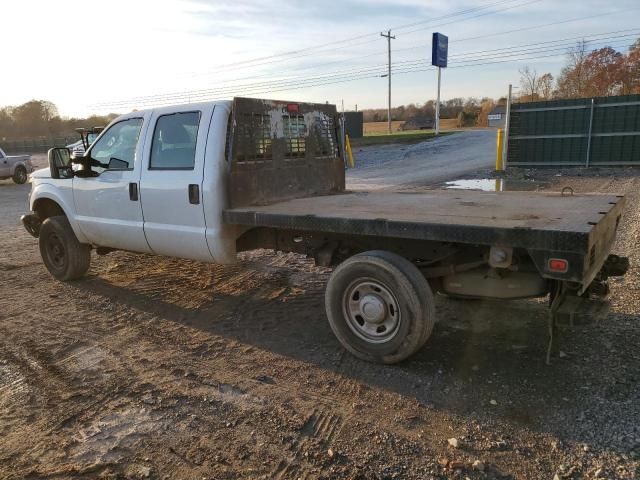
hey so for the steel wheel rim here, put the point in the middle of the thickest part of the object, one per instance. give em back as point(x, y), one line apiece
point(371, 310)
point(55, 250)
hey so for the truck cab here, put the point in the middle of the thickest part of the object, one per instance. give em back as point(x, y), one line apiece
point(153, 162)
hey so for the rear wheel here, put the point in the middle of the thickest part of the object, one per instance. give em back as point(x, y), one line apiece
point(380, 307)
point(20, 175)
point(63, 255)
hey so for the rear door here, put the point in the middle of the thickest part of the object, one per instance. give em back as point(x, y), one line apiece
point(171, 182)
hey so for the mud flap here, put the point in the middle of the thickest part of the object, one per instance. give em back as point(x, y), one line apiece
point(31, 224)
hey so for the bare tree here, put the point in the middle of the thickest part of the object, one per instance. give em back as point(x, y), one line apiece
point(530, 83)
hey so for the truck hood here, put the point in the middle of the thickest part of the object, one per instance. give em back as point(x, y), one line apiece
point(41, 173)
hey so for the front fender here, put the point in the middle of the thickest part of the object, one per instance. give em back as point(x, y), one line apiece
point(63, 196)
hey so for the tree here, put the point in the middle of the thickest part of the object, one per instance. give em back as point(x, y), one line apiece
point(605, 70)
point(630, 74)
point(40, 118)
point(546, 86)
point(529, 83)
point(33, 117)
point(573, 78)
point(485, 108)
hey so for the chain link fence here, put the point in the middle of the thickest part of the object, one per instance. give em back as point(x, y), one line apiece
point(37, 145)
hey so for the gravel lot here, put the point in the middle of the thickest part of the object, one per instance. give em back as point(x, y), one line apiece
point(390, 166)
point(162, 368)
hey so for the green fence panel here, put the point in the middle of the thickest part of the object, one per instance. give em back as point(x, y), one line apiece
point(603, 131)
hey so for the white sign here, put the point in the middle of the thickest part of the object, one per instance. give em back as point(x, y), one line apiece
point(495, 116)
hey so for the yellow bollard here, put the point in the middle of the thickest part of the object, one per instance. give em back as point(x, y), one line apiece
point(349, 153)
point(499, 147)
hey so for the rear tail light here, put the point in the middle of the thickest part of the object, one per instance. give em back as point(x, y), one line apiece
point(559, 265)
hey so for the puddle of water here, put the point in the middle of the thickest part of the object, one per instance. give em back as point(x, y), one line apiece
point(485, 184)
point(493, 185)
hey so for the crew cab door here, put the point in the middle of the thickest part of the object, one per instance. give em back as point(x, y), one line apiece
point(108, 206)
point(171, 182)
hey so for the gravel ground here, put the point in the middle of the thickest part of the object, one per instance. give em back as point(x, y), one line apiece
point(162, 368)
point(445, 158)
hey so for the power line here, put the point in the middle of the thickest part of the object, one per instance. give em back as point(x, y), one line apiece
point(477, 16)
point(471, 59)
point(302, 85)
point(314, 50)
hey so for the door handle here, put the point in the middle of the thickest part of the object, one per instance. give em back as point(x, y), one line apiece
point(133, 192)
point(194, 194)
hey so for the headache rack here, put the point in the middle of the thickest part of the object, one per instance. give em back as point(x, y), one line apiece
point(282, 150)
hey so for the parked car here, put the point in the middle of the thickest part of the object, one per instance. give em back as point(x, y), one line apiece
point(17, 167)
point(206, 181)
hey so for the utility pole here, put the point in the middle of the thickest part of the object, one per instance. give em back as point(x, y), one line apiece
point(388, 36)
point(438, 103)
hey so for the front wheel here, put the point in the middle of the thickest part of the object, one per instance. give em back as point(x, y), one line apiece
point(63, 255)
point(380, 306)
point(20, 175)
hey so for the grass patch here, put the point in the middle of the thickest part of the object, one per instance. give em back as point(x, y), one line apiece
point(410, 136)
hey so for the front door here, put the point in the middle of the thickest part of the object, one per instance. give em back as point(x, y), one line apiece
point(108, 206)
point(171, 182)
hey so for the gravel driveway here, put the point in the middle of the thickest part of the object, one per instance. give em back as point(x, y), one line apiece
point(163, 368)
point(426, 163)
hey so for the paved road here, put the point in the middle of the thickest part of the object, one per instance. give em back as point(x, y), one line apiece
point(445, 158)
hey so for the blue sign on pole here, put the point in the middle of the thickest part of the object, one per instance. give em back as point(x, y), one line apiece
point(439, 50)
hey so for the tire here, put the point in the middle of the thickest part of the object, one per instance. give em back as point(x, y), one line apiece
point(392, 299)
point(20, 175)
point(63, 255)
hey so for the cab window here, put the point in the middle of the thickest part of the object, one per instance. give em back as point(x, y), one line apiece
point(174, 141)
point(118, 144)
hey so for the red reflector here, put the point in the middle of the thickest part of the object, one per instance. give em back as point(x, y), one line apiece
point(558, 265)
point(293, 108)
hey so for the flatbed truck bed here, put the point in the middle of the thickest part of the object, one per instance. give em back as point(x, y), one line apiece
point(532, 220)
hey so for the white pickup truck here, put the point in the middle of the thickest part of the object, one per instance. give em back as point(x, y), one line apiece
point(206, 181)
point(16, 167)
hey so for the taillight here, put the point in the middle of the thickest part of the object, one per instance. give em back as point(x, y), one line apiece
point(559, 265)
point(293, 108)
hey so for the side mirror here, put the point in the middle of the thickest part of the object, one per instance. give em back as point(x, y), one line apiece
point(60, 162)
point(117, 164)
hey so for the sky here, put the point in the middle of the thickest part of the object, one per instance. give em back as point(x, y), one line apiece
point(113, 56)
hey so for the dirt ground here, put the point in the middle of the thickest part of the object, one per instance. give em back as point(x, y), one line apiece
point(161, 368)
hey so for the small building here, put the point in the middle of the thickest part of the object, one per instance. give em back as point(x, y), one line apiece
point(497, 116)
point(419, 122)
